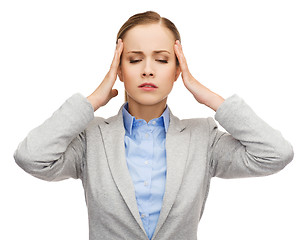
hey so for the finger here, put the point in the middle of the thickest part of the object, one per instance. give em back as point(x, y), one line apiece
point(181, 58)
point(116, 58)
point(117, 53)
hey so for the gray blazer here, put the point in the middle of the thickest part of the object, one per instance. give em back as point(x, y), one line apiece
point(73, 143)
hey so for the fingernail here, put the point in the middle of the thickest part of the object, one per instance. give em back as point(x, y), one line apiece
point(117, 44)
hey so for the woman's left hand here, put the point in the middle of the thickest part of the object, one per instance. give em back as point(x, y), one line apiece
point(201, 93)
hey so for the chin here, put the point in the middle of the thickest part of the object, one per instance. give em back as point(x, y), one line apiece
point(148, 100)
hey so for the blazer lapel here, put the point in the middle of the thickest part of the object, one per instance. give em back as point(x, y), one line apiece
point(177, 148)
point(113, 134)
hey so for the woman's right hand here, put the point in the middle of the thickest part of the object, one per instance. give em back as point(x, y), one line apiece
point(104, 92)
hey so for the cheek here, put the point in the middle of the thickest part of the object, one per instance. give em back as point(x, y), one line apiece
point(170, 72)
point(128, 73)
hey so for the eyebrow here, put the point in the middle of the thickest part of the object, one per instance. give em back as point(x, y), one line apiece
point(157, 51)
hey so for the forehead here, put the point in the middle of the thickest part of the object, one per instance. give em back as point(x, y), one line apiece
point(148, 37)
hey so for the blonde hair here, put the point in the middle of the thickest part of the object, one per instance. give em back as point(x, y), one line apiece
point(148, 17)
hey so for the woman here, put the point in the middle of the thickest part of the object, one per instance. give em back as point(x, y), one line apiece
point(146, 173)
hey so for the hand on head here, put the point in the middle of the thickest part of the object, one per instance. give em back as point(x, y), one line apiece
point(189, 81)
point(201, 93)
point(104, 92)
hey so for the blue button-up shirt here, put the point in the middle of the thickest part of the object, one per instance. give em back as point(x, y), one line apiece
point(146, 161)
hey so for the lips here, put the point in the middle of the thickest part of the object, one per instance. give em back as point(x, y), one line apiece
point(148, 85)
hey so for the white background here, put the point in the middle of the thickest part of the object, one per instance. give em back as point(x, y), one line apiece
point(257, 49)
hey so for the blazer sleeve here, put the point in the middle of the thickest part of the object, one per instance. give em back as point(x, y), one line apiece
point(250, 147)
point(55, 150)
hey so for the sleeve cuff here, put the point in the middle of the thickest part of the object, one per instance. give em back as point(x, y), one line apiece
point(78, 110)
point(230, 104)
point(82, 104)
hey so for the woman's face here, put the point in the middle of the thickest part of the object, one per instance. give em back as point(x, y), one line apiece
point(148, 57)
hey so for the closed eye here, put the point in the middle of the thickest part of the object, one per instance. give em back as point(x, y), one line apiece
point(163, 61)
point(135, 61)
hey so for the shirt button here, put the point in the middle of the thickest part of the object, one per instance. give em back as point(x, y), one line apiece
point(143, 215)
point(146, 135)
point(146, 162)
point(145, 183)
point(154, 122)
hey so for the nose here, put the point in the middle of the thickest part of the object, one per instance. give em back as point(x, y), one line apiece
point(148, 71)
point(147, 74)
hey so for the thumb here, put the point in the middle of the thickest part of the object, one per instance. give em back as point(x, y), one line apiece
point(114, 93)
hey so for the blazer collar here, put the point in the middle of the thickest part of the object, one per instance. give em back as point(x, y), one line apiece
point(118, 122)
point(177, 148)
point(129, 120)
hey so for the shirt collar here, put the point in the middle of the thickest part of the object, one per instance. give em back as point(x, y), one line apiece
point(129, 120)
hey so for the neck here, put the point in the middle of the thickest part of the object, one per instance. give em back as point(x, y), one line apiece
point(146, 112)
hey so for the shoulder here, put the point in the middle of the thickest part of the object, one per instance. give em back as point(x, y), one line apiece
point(202, 131)
point(95, 122)
point(99, 121)
point(198, 125)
